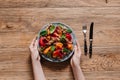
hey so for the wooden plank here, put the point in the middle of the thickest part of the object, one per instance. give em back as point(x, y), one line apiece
point(107, 75)
point(21, 20)
point(23, 24)
point(70, 13)
point(15, 75)
point(96, 50)
point(16, 40)
point(111, 75)
point(75, 17)
point(22, 42)
point(56, 3)
point(23, 39)
point(20, 61)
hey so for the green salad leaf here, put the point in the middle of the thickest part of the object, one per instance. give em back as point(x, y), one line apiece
point(52, 48)
point(69, 30)
point(43, 33)
point(66, 50)
point(52, 29)
point(62, 39)
point(42, 49)
point(61, 25)
point(63, 36)
point(49, 55)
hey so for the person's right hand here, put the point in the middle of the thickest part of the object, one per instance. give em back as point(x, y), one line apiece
point(75, 60)
point(34, 50)
point(75, 64)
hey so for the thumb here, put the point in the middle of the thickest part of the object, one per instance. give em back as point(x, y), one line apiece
point(75, 49)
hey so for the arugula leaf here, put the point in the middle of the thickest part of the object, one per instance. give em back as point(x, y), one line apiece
point(60, 25)
point(43, 33)
point(49, 55)
point(69, 30)
point(52, 48)
point(63, 36)
point(66, 50)
point(42, 49)
point(52, 29)
point(62, 39)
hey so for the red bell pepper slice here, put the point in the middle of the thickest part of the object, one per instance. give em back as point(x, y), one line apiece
point(68, 36)
point(57, 53)
point(41, 42)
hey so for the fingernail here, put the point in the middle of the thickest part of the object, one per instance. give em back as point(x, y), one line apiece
point(75, 46)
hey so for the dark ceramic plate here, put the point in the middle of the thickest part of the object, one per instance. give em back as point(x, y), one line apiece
point(73, 40)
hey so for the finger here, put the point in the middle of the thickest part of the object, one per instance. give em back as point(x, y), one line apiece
point(36, 42)
point(78, 48)
point(78, 45)
point(33, 41)
point(38, 57)
point(76, 51)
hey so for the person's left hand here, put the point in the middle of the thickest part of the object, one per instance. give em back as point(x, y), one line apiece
point(34, 50)
point(75, 60)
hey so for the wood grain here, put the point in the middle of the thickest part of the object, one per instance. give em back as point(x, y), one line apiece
point(28, 24)
point(99, 63)
point(20, 21)
point(107, 62)
point(57, 3)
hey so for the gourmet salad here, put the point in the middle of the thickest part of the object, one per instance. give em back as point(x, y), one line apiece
point(55, 41)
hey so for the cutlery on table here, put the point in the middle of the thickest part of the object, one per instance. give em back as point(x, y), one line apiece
point(91, 39)
point(84, 29)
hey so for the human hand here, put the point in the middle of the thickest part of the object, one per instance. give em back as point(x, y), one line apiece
point(75, 60)
point(34, 50)
point(37, 68)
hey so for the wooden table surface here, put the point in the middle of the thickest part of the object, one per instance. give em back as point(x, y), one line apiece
point(20, 21)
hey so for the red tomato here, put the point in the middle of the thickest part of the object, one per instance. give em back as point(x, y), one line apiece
point(60, 55)
point(57, 53)
point(68, 36)
point(53, 34)
point(56, 29)
point(41, 41)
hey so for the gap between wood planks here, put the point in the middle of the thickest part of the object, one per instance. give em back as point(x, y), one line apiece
point(106, 1)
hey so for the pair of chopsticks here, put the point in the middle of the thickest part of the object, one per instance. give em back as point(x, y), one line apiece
point(90, 39)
